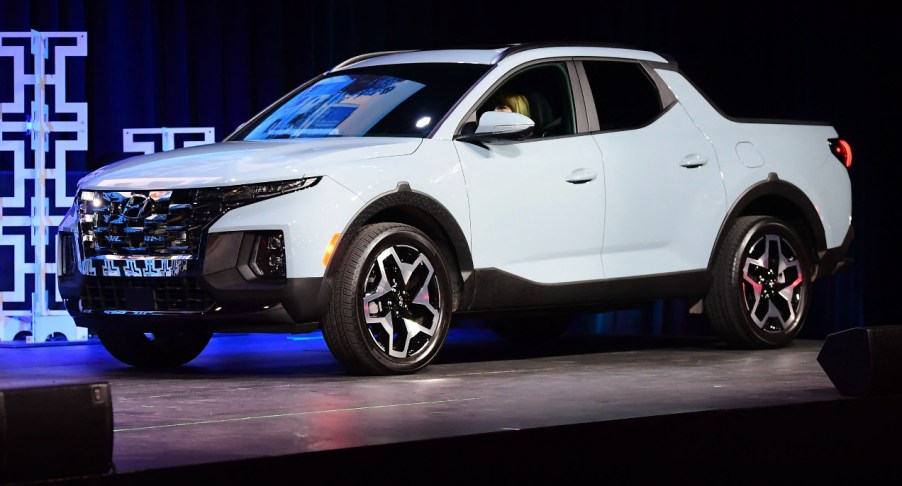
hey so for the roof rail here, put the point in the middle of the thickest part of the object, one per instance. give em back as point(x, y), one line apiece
point(364, 57)
point(670, 59)
point(527, 46)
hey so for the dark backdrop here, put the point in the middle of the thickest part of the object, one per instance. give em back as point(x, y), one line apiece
point(200, 63)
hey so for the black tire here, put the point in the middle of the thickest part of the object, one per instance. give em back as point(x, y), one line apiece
point(532, 330)
point(360, 324)
point(752, 303)
point(154, 350)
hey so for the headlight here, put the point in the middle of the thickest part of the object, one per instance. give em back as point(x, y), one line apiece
point(235, 196)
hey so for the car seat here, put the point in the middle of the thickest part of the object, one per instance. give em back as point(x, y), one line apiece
point(540, 111)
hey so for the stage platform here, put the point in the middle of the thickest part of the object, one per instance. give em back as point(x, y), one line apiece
point(272, 408)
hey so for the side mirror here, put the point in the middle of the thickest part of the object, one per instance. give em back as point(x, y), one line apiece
point(500, 126)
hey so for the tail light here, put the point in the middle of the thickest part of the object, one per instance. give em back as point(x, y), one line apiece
point(842, 151)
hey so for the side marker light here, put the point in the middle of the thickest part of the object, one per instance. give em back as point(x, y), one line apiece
point(330, 248)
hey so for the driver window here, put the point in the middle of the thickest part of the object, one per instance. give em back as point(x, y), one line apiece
point(543, 94)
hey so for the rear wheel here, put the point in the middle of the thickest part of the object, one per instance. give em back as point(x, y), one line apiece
point(762, 280)
point(154, 350)
point(391, 302)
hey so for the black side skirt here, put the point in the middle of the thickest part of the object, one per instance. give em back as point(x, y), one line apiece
point(496, 289)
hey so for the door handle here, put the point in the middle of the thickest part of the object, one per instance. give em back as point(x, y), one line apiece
point(692, 161)
point(581, 176)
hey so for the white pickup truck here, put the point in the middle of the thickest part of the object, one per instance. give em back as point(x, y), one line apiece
point(397, 189)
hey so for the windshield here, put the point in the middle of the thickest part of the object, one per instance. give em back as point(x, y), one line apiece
point(403, 100)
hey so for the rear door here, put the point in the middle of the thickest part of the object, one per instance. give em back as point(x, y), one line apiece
point(664, 191)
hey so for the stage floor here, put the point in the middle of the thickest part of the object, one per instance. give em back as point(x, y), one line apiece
point(254, 395)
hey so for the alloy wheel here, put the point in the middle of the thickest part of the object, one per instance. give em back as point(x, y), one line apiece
point(402, 302)
point(772, 287)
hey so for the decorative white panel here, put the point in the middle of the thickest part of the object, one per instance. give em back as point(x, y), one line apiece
point(129, 144)
point(26, 224)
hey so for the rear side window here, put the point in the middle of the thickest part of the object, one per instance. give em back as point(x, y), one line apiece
point(625, 97)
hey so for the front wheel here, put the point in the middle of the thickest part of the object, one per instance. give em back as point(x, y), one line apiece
point(154, 350)
point(391, 302)
point(762, 280)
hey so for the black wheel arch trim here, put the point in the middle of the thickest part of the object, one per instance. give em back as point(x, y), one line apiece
point(772, 187)
point(406, 205)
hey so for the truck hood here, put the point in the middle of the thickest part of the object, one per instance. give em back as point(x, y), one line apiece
point(234, 163)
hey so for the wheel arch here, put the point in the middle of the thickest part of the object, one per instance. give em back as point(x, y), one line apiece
point(782, 200)
point(404, 205)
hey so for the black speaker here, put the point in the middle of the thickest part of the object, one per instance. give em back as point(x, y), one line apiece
point(864, 361)
point(55, 432)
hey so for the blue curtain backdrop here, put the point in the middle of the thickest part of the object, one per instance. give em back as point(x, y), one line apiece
point(201, 63)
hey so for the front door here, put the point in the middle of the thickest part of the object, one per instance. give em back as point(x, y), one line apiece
point(537, 206)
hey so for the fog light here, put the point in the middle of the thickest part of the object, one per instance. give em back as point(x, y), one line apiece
point(268, 257)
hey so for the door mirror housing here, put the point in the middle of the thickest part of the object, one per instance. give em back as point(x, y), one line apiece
point(500, 127)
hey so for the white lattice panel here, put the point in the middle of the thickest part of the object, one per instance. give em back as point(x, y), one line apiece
point(26, 223)
point(168, 136)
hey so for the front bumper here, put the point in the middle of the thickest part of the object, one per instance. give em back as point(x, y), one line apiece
point(215, 292)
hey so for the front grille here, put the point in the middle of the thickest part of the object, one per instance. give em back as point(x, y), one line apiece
point(164, 294)
point(164, 223)
point(146, 223)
